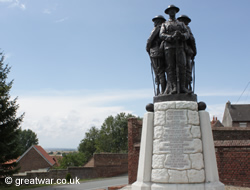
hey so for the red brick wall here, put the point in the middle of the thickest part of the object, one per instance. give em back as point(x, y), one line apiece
point(231, 133)
point(234, 165)
point(110, 164)
point(32, 160)
point(232, 145)
point(110, 159)
point(134, 138)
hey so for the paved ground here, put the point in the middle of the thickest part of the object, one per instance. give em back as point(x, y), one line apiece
point(226, 188)
point(108, 182)
point(90, 185)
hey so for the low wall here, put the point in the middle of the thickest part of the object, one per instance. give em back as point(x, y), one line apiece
point(83, 172)
point(134, 138)
point(51, 174)
point(233, 161)
point(231, 133)
point(105, 165)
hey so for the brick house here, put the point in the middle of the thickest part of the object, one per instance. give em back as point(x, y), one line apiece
point(236, 115)
point(216, 123)
point(35, 158)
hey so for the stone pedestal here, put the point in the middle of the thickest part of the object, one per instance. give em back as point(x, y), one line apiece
point(177, 149)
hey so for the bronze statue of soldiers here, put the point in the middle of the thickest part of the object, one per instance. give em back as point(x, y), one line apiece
point(155, 50)
point(190, 50)
point(174, 33)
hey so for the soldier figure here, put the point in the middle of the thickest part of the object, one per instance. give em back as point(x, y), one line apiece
point(155, 50)
point(174, 34)
point(190, 50)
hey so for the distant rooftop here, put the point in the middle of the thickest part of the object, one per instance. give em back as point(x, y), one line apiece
point(239, 112)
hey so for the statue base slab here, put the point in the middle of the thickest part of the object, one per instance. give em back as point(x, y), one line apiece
point(175, 97)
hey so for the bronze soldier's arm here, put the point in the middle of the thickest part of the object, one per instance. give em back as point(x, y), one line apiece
point(163, 33)
point(193, 44)
point(151, 38)
point(185, 32)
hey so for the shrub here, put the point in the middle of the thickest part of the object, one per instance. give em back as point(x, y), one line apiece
point(68, 177)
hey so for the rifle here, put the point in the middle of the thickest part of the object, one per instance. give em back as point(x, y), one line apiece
point(153, 77)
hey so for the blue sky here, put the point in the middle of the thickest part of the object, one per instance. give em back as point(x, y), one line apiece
point(74, 63)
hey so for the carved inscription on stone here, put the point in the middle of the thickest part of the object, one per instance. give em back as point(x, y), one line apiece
point(177, 146)
point(176, 140)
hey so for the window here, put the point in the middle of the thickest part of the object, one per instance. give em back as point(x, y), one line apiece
point(242, 124)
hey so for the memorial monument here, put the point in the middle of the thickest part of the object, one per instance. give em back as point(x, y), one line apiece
point(177, 149)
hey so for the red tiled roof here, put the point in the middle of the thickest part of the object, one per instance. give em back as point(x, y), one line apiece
point(91, 163)
point(10, 161)
point(44, 154)
point(217, 123)
point(56, 159)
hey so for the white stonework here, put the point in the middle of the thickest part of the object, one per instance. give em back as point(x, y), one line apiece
point(181, 162)
point(164, 106)
point(159, 118)
point(177, 150)
point(159, 175)
point(196, 131)
point(196, 176)
point(197, 161)
point(158, 161)
point(176, 115)
point(158, 131)
point(146, 151)
point(176, 176)
point(187, 105)
point(211, 170)
point(187, 130)
point(195, 146)
point(193, 117)
point(156, 146)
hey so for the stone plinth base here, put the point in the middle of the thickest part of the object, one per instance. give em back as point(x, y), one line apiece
point(141, 185)
point(202, 186)
point(160, 186)
point(177, 150)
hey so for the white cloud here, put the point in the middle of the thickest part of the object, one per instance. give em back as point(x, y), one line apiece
point(14, 3)
point(62, 20)
point(47, 11)
point(61, 119)
point(6, 1)
point(216, 92)
point(216, 110)
point(51, 9)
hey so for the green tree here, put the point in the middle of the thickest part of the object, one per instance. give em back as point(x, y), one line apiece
point(72, 159)
point(9, 124)
point(87, 145)
point(27, 139)
point(113, 135)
